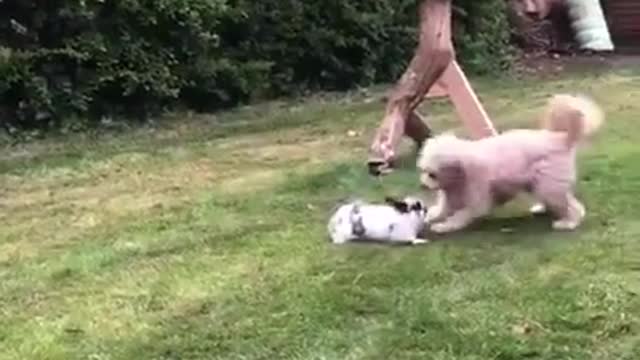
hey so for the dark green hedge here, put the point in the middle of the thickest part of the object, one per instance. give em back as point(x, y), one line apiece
point(67, 63)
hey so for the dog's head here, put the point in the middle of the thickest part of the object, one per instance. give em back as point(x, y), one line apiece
point(441, 163)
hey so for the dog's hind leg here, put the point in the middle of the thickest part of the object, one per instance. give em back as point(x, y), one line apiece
point(577, 206)
point(563, 205)
point(575, 213)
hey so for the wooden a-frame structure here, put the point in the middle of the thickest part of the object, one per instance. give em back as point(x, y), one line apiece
point(433, 72)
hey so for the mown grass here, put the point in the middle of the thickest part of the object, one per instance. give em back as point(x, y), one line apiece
point(206, 240)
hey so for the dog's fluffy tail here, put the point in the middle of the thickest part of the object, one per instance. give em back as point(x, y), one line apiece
point(577, 116)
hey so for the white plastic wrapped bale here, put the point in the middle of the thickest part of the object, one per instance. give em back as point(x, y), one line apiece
point(589, 24)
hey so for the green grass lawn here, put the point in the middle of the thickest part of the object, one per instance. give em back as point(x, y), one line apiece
point(206, 240)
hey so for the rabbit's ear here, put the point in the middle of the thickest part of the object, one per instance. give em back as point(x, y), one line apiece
point(418, 206)
point(401, 206)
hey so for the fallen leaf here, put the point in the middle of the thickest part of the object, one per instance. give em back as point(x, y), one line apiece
point(521, 329)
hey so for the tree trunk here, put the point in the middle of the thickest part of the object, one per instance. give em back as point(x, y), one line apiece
point(434, 53)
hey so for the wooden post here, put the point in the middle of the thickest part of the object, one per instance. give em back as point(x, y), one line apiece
point(433, 55)
point(432, 61)
point(468, 107)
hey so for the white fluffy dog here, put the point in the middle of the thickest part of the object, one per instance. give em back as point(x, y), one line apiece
point(473, 176)
point(398, 222)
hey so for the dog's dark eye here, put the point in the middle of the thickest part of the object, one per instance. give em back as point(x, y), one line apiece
point(432, 175)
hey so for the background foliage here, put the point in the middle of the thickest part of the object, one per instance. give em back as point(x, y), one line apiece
point(65, 64)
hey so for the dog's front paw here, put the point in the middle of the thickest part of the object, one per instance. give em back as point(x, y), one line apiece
point(434, 213)
point(565, 225)
point(442, 228)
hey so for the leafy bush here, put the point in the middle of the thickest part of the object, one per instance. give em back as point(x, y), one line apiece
point(87, 59)
point(482, 37)
point(324, 44)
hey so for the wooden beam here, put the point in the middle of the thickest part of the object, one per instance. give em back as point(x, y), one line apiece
point(455, 85)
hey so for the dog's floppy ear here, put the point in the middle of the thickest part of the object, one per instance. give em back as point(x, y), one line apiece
point(451, 174)
point(401, 206)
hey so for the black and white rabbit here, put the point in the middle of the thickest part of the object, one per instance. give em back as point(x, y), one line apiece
point(396, 221)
